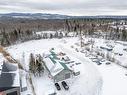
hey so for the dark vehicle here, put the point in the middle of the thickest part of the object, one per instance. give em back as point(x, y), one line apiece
point(107, 63)
point(120, 54)
point(52, 94)
point(77, 63)
point(98, 63)
point(57, 86)
point(70, 62)
point(66, 87)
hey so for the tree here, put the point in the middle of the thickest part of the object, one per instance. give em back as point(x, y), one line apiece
point(60, 35)
point(32, 64)
point(124, 34)
point(56, 34)
point(5, 40)
point(50, 36)
point(39, 65)
point(36, 65)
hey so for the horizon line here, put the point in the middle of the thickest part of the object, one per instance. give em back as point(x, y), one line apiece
point(55, 14)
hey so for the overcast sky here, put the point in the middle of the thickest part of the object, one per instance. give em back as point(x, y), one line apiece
point(67, 7)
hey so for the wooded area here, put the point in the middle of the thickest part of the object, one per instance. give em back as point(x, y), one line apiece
point(14, 31)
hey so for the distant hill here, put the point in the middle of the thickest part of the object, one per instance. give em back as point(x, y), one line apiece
point(52, 16)
point(34, 16)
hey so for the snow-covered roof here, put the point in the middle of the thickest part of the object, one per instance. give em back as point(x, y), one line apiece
point(54, 63)
point(54, 68)
point(57, 68)
point(49, 64)
point(76, 69)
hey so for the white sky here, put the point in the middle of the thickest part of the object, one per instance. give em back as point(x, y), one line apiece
point(67, 7)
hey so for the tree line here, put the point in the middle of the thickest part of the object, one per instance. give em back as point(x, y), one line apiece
point(23, 30)
point(100, 26)
point(9, 38)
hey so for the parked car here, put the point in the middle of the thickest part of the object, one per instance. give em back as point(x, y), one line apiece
point(95, 60)
point(92, 58)
point(70, 62)
point(107, 63)
point(66, 87)
point(57, 86)
point(98, 62)
point(77, 63)
point(125, 49)
point(120, 54)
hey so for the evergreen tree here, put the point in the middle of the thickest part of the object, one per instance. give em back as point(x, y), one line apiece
point(32, 64)
point(124, 35)
point(5, 39)
point(36, 65)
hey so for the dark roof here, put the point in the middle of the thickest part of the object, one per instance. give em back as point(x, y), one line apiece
point(6, 79)
point(8, 75)
point(8, 67)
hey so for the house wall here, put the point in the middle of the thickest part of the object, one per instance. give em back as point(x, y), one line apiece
point(63, 75)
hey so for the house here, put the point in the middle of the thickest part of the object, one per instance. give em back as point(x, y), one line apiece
point(57, 67)
point(9, 79)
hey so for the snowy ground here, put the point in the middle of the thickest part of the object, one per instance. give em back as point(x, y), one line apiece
point(93, 80)
point(114, 79)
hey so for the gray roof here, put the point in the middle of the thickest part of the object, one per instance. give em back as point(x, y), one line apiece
point(9, 76)
point(6, 79)
point(8, 67)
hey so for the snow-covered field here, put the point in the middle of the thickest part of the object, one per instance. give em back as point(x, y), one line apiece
point(93, 80)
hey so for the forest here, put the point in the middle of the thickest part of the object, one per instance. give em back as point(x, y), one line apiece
point(13, 31)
